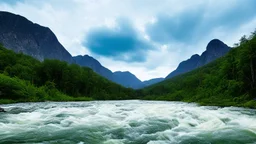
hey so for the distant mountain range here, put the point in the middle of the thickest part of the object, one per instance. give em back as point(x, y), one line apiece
point(125, 79)
point(152, 81)
point(88, 61)
point(21, 35)
point(214, 50)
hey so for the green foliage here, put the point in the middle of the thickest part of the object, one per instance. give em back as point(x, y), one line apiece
point(228, 81)
point(23, 78)
point(19, 90)
point(79, 81)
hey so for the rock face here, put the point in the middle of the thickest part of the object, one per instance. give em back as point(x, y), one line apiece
point(21, 35)
point(214, 50)
point(125, 79)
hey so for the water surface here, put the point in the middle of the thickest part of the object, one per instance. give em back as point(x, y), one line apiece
point(126, 122)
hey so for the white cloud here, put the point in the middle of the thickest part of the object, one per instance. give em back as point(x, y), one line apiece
point(70, 20)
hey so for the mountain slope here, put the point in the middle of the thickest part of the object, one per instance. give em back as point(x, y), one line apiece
point(227, 81)
point(125, 79)
point(152, 81)
point(23, 78)
point(88, 61)
point(21, 35)
point(214, 50)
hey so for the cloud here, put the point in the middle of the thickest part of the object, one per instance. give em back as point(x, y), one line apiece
point(197, 22)
point(182, 28)
point(121, 42)
point(12, 2)
point(174, 28)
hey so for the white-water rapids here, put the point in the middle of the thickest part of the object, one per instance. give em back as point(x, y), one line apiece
point(128, 122)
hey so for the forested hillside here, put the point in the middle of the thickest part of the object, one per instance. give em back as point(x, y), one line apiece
point(214, 50)
point(229, 80)
point(23, 78)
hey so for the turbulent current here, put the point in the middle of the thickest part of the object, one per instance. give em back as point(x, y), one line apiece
point(125, 122)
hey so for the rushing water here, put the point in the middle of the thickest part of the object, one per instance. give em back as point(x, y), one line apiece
point(128, 122)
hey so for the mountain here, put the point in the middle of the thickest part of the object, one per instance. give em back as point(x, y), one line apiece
point(125, 79)
point(152, 81)
point(227, 81)
point(21, 35)
point(88, 61)
point(25, 79)
point(214, 50)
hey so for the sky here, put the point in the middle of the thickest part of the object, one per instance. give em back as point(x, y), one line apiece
point(149, 38)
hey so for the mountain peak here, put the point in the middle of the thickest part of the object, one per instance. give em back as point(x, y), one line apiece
point(125, 78)
point(130, 79)
point(89, 57)
point(195, 56)
point(214, 50)
point(21, 35)
point(216, 44)
point(87, 61)
point(215, 41)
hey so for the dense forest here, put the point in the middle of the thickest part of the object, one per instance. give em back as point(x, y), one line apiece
point(23, 79)
point(228, 81)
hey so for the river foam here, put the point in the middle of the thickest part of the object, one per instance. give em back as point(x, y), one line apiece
point(131, 122)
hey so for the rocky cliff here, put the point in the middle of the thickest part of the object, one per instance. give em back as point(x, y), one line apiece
point(21, 35)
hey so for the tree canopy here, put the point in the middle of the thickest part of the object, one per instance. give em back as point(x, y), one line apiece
point(63, 78)
point(229, 80)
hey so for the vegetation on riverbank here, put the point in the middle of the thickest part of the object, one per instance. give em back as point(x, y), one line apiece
point(25, 79)
point(17, 90)
point(228, 81)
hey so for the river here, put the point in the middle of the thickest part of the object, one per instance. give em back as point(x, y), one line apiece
point(125, 122)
